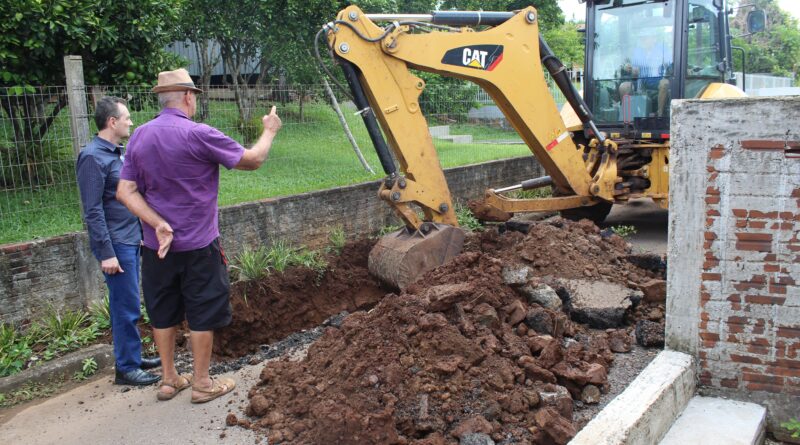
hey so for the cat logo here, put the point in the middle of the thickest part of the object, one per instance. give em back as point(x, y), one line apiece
point(481, 57)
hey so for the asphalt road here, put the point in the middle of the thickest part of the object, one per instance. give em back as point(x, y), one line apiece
point(98, 412)
point(651, 223)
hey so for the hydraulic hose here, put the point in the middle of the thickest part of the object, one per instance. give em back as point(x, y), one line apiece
point(559, 75)
point(360, 99)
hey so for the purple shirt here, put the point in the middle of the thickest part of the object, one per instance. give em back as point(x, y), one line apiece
point(175, 164)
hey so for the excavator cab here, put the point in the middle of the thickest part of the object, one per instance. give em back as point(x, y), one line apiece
point(640, 54)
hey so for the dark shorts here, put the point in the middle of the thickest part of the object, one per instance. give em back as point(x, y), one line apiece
point(191, 285)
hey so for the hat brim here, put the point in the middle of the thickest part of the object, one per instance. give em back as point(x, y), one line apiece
point(167, 88)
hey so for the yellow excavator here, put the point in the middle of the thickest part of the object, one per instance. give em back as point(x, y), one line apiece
point(589, 166)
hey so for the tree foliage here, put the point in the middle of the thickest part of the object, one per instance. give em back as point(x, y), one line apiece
point(775, 50)
point(120, 42)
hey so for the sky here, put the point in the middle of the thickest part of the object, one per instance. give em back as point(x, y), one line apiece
point(572, 7)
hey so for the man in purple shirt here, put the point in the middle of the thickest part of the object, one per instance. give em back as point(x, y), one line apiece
point(170, 179)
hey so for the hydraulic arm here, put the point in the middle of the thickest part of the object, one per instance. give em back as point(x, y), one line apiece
point(506, 60)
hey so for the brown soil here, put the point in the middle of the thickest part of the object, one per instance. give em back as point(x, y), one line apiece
point(268, 310)
point(451, 357)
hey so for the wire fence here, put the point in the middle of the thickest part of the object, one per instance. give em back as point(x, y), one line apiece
point(38, 190)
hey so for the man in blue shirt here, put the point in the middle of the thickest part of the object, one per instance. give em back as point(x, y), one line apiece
point(115, 236)
point(650, 65)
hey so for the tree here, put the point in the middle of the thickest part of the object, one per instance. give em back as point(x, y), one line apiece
point(775, 50)
point(120, 42)
point(197, 27)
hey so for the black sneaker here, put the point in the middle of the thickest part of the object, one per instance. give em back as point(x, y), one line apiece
point(137, 377)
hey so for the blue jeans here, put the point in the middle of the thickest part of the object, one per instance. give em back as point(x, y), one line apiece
point(123, 296)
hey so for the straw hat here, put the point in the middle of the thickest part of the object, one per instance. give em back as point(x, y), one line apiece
point(177, 80)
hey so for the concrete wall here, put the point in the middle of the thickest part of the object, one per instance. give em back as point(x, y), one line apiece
point(733, 298)
point(62, 271)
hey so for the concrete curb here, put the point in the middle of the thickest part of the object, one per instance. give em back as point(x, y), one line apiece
point(61, 367)
point(645, 411)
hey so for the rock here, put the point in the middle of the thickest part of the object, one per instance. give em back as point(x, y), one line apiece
point(540, 321)
point(599, 304)
point(557, 396)
point(472, 425)
point(448, 365)
point(581, 373)
point(442, 297)
point(513, 402)
point(515, 313)
point(551, 354)
point(655, 314)
point(619, 341)
point(532, 397)
point(649, 334)
point(558, 428)
point(655, 291)
point(486, 315)
point(590, 394)
point(535, 372)
point(542, 295)
point(538, 342)
point(516, 275)
point(476, 439)
point(430, 322)
point(231, 419)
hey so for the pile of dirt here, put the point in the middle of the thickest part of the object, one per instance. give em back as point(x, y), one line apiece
point(268, 310)
point(461, 356)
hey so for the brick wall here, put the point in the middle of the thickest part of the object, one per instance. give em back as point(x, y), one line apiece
point(734, 253)
point(61, 271)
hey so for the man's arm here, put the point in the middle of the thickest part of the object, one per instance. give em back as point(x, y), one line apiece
point(91, 183)
point(257, 154)
point(128, 194)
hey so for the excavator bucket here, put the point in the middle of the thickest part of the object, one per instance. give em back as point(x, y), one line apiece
point(401, 257)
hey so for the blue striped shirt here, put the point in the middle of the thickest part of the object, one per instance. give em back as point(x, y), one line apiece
point(107, 220)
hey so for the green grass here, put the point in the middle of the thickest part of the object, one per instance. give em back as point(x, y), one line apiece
point(310, 153)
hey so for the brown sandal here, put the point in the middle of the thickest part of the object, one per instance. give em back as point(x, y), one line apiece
point(184, 381)
point(219, 387)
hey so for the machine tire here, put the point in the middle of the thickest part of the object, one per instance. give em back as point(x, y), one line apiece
point(596, 213)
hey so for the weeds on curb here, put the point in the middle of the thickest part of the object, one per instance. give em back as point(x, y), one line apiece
point(29, 391)
point(15, 350)
point(56, 333)
point(793, 426)
point(88, 368)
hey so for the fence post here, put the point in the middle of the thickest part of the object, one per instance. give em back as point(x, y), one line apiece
point(76, 97)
